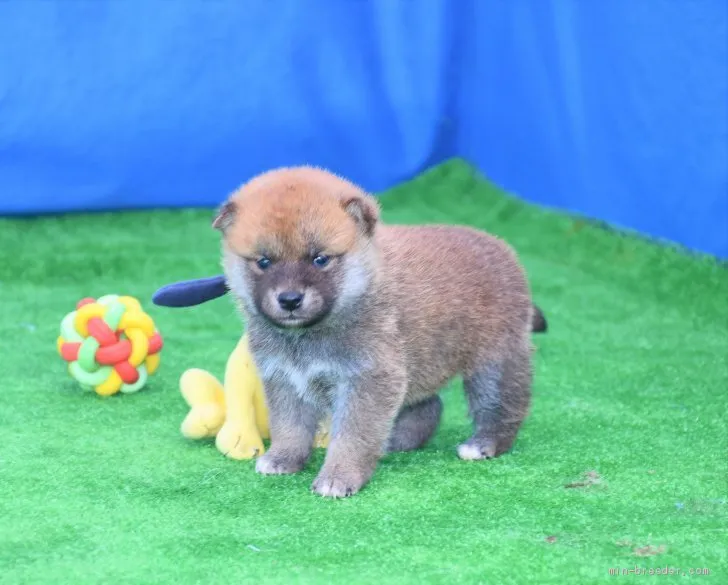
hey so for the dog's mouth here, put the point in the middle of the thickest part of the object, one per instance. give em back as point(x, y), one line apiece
point(294, 321)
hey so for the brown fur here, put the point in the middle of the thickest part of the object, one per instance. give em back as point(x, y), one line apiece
point(396, 313)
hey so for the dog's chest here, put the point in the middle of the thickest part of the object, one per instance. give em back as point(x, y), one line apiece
point(314, 381)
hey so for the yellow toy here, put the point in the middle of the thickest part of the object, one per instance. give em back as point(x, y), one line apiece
point(110, 344)
point(235, 412)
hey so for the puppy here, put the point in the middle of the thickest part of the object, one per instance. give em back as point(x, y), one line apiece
point(366, 322)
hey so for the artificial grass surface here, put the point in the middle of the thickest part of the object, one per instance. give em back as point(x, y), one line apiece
point(631, 383)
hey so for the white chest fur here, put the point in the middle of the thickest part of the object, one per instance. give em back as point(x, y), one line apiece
point(315, 382)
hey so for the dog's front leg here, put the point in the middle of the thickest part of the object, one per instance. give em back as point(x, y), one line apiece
point(293, 423)
point(362, 420)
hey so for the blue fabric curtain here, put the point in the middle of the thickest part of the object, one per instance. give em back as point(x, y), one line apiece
point(618, 110)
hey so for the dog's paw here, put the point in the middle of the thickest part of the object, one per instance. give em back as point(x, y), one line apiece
point(475, 449)
point(337, 484)
point(238, 443)
point(276, 464)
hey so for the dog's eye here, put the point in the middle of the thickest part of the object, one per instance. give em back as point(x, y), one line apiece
point(263, 263)
point(321, 260)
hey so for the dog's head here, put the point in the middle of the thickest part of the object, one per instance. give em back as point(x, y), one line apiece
point(297, 245)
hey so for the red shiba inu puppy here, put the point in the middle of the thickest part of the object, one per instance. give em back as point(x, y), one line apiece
point(365, 322)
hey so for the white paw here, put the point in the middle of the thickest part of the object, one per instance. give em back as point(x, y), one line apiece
point(336, 485)
point(474, 451)
point(271, 465)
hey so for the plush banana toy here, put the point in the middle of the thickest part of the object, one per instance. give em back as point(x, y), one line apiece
point(234, 412)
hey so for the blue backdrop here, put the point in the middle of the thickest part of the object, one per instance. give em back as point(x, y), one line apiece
point(618, 110)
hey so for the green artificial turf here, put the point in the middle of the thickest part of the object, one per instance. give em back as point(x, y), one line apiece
point(624, 454)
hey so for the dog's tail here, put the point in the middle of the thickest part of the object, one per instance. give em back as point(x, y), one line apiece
point(538, 321)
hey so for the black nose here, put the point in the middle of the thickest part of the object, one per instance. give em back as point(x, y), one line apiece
point(290, 300)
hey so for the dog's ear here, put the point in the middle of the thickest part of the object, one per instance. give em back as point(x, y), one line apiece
point(225, 216)
point(364, 210)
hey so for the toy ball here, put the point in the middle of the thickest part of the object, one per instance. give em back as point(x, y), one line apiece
point(111, 345)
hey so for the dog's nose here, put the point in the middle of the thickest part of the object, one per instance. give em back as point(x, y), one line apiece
point(290, 300)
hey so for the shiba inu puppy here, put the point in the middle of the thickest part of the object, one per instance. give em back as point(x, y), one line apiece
point(365, 322)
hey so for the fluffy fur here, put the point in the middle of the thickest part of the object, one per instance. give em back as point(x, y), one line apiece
point(388, 314)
